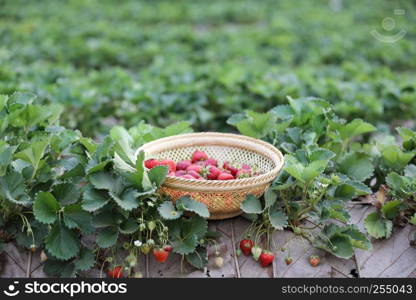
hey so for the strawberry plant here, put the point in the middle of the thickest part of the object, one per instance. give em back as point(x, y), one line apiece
point(322, 172)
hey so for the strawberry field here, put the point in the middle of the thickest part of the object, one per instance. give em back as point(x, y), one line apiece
point(84, 84)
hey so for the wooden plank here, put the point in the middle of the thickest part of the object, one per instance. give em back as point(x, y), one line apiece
point(393, 257)
point(300, 250)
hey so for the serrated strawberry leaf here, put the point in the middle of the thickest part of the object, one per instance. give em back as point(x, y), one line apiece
point(129, 226)
point(85, 260)
point(277, 217)
point(357, 166)
point(45, 208)
point(66, 193)
point(168, 211)
point(76, 217)
point(34, 153)
point(127, 200)
point(157, 175)
point(378, 227)
point(106, 181)
point(107, 237)
point(189, 204)
point(391, 209)
point(186, 233)
point(12, 188)
point(93, 200)
point(251, 205)
point(62, 242)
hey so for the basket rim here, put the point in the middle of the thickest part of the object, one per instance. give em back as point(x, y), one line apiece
point(215, 185)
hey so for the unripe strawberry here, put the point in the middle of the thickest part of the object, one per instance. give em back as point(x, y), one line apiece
point(219, 261)
point(256, 252)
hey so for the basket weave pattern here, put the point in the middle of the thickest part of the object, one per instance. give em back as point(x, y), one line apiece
point(223, 198)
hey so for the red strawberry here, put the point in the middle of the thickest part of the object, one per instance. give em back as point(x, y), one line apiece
point(194, 174)
point(161, 255)
point(180, 173)
point(198, 156)
point(225, 176)
point(182, 165)
point(213, 173)
point(266, 259)
point(314, 260)
point(169, 163)
point(195, 168)
point(116, 272)
point(187, 176)
point(211, 162)
point(168, 248)
point(245, 246)
point(151, 163)
point(230, 168)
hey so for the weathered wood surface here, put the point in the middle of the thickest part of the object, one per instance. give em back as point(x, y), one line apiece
point(389, 258)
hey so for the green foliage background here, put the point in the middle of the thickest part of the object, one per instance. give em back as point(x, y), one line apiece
point(162, 61)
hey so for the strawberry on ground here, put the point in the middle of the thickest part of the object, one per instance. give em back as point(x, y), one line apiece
point(168, 248)
point(288, 260)
point(266, 258)
point(314, 260)
point(161, 255)
point(245, 246)
point(116, 272)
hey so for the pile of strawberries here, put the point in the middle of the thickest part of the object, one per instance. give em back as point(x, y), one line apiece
point(201, 167)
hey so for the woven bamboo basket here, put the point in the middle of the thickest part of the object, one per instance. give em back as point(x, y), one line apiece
point(223, 198)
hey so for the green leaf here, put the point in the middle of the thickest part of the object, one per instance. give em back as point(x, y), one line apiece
point(3, 101)
point(129, 226)
point(86, 260)
point(12, 188)
point(127, 200)
point(94, 199)
point(277, 218)
point(76, 217)
point(106, 181)
point(45, 208)
point(270, 198)
point(62, 242)
point(357, 166)
point(198, 259)
point(359, 240)
point(168, 212)
point(123, 142)
point(189, 204)
point(104, 219)
point(66, 193)
point(391, 209)
point(257, 125)
point(58, 268)
point(158, 174)
point(186, 233)
point(378, 227)
point(251, 205)
point(355, 128)
point(341, 246)
point(395, 158)
point(34, 153)
point(107, 237)
point(413, 219)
